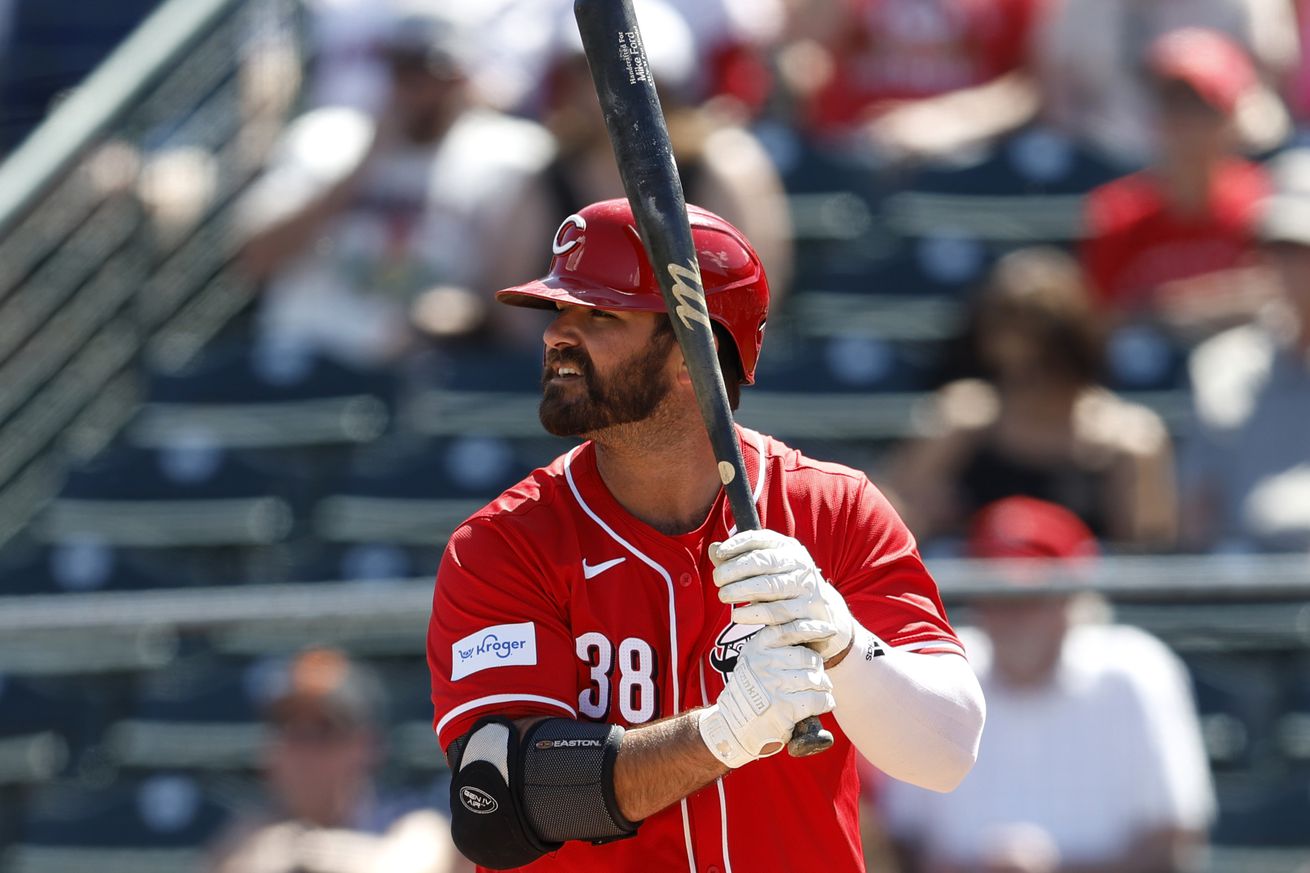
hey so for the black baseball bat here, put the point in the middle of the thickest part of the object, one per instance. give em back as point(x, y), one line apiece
point(617, 58)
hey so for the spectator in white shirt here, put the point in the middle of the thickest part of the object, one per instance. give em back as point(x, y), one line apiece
point(1246, 471)
point(1092, 760)
point(374, 233)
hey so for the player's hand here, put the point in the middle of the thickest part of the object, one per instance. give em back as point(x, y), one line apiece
point(776, 579)
point(771, 688)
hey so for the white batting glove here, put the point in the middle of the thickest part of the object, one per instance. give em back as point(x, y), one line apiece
point(776, 579)
point(771, 688)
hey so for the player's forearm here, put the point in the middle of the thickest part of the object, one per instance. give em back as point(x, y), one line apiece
point(661, 763)
point(918, 718)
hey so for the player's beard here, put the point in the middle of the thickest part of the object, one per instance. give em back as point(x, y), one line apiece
point(632, 392)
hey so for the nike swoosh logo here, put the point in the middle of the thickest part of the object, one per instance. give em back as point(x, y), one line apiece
point(590, 571)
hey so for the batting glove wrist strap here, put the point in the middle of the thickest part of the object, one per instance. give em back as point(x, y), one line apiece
point(720, 740)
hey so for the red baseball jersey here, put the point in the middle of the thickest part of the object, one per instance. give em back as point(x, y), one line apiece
point(893, 51)
point(554, 601)
point(1136, 243)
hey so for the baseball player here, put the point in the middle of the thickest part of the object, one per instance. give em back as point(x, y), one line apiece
point(614, 668)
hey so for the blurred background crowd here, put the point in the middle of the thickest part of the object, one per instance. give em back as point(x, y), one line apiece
point(1040, 267)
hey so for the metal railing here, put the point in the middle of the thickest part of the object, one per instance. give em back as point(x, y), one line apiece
point(114, 228)
point(389, 615)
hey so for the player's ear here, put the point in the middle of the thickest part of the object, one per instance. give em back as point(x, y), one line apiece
point(684, 375)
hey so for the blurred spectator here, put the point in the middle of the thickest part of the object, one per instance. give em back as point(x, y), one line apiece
point(729, 39)
point(1298, 83)
point(1247, 468)
point(348, 69)
point(922, 77)
point(327, 816)
point(1039, 423)
point(1092, 760)
point(372, 233)
point(723, 167)
point(343, 38)
point(1090, 53)
point(1174, 242)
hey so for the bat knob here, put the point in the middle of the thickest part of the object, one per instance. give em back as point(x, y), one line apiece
point(809, 738)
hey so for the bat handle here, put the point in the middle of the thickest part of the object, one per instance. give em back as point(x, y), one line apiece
point(809, 738)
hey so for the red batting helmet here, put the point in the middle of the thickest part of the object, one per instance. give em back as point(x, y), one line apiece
point(598, 260)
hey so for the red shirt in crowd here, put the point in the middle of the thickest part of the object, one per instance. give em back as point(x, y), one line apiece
point(554, 601)
point(897, 50)
point(1136, 242)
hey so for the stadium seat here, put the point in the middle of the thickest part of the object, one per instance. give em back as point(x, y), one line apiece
point(411, 742)
point(1032, 161)
point(77, 565)
point(199, 713)
point(158, 822)
point(266, 397)
point(367, 562)
point(188, 494)
point(1028, 189)
point(834, 202)
point(414, 492)
point(1140, 357)
point(1292, 729)
point(1237, 697)
point(1268, 812)
point(491, 369)
point(846, 364)
point(194, 512)
point(938, 231)
point(484, 391)
point(45, 724)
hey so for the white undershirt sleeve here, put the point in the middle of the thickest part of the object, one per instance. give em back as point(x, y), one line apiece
point(918, 718)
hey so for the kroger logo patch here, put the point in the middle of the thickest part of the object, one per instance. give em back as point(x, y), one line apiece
point(503, 645)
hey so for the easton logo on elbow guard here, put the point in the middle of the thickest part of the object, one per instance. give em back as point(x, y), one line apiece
point(477, 800)
point(568, 744)
point(503, 645)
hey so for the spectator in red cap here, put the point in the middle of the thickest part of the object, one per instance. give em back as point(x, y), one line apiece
point(1174, 242)
point(1092, 758)
point(1089, 56)
point(326, 815)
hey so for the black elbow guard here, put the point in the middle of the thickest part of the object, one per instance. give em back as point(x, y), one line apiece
point(486, 818)
point(514, 800)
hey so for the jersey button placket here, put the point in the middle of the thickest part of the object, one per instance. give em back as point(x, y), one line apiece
point(685, 580)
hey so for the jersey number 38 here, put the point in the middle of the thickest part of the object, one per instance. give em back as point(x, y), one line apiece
point(635, 694)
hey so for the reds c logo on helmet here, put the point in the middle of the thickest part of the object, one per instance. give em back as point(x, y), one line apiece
point(597, 260)
point(569, 235)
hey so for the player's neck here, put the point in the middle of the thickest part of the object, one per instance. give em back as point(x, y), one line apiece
point(664, 476)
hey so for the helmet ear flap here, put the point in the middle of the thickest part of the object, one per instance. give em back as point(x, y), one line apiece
point(729, 364)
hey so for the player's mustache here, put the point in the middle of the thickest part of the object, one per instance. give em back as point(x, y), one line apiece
point(556, 358)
